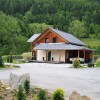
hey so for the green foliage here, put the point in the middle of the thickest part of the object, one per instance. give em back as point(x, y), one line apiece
point(19, 19)
point(76, 63)
point(27, 56)
point(27, 86)
point(35, 98)
point(6, 58)
point(38, 27)
point(20, 93)
point(58, 94)
point(77, 28)
point(42, 95)
point(90, 64)
point(1, 61)
point(10, 59)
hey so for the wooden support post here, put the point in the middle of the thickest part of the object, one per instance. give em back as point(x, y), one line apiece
point(59, 55)
point(92, 57)
point(84, 56)
point(36, 54)
point(78, 54)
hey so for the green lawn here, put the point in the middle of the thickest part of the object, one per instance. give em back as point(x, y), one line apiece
point(98, 65)
point(92, 42)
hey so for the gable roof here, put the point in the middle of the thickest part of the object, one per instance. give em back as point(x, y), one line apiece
point(59, 46)
point(33, 38)
point(70, 38)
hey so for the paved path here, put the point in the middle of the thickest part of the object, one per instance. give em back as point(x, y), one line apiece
point(51, 76)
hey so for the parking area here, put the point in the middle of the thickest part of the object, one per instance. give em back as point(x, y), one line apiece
point(52, 76)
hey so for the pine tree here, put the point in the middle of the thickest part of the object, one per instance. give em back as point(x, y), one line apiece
point(20, 93)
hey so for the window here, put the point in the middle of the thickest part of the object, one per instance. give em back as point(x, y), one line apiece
point(54, 40)
point(46, 40)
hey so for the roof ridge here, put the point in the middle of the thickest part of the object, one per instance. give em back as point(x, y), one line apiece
point(62, 34)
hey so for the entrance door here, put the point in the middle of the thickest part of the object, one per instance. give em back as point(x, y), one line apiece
point(49, 56)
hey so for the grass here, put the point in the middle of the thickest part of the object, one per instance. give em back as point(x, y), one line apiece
point(98, 65)
point(91, 42)
point(9, 66)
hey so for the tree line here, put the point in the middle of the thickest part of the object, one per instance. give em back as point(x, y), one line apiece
point(20, 19)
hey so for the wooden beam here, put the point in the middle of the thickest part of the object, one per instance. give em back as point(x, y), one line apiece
point(92, 57)
point(84, 55)
point(59, 55)
point(78, 54)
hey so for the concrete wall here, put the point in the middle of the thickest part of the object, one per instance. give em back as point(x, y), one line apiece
point(54, 54)
point(40, 55)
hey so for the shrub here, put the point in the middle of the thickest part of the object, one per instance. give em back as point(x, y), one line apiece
point(90, 64)
point(35, 98)
point(42, 95)
point(6, 58)
point(98, 60)
point(58, 94)
point(20, 93)
point(27, 86)
point(27, 56)
point(76, 62)
point(1, 61)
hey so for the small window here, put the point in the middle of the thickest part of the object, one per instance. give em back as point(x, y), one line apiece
point(46, 40)
point(54, 40)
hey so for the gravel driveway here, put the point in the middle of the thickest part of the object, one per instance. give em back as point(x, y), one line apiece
point(52, 76)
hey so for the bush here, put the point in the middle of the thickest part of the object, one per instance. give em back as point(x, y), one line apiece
point(42, 95)
point(90, 64)
point(35, 98)
point(27, 86)
point(58, 94)
point(98, 60)
point(76, 62)
point(27, 56)
point(1, 61)
point(6, 58)
point(20, 93)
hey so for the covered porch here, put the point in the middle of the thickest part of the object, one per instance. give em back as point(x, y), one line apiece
point(62, 53)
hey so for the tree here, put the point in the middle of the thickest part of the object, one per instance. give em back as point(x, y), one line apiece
point(27, 86)
point(42, 95)
point(77, 28)
point(9, 30)
point(20, 93)
point(39, 27)
point(1, 61)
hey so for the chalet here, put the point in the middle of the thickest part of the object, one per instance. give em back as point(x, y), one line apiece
point(57, 46)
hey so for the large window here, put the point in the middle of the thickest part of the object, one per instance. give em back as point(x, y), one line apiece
point(46, 40)
point(54, 40)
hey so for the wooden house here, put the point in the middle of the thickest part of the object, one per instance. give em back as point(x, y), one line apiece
point(57, 46)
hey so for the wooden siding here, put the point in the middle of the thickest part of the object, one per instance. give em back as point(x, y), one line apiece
point(50, 35)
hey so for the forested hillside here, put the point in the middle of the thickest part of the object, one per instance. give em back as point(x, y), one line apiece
point(20, 19)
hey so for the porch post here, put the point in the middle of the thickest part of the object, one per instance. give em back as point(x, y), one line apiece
point(46, 55)
point(59, 55)
point(84, 56)
point(78, 54)
point(92, 57)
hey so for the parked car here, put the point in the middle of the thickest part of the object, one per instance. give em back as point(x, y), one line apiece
point(80, 59)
